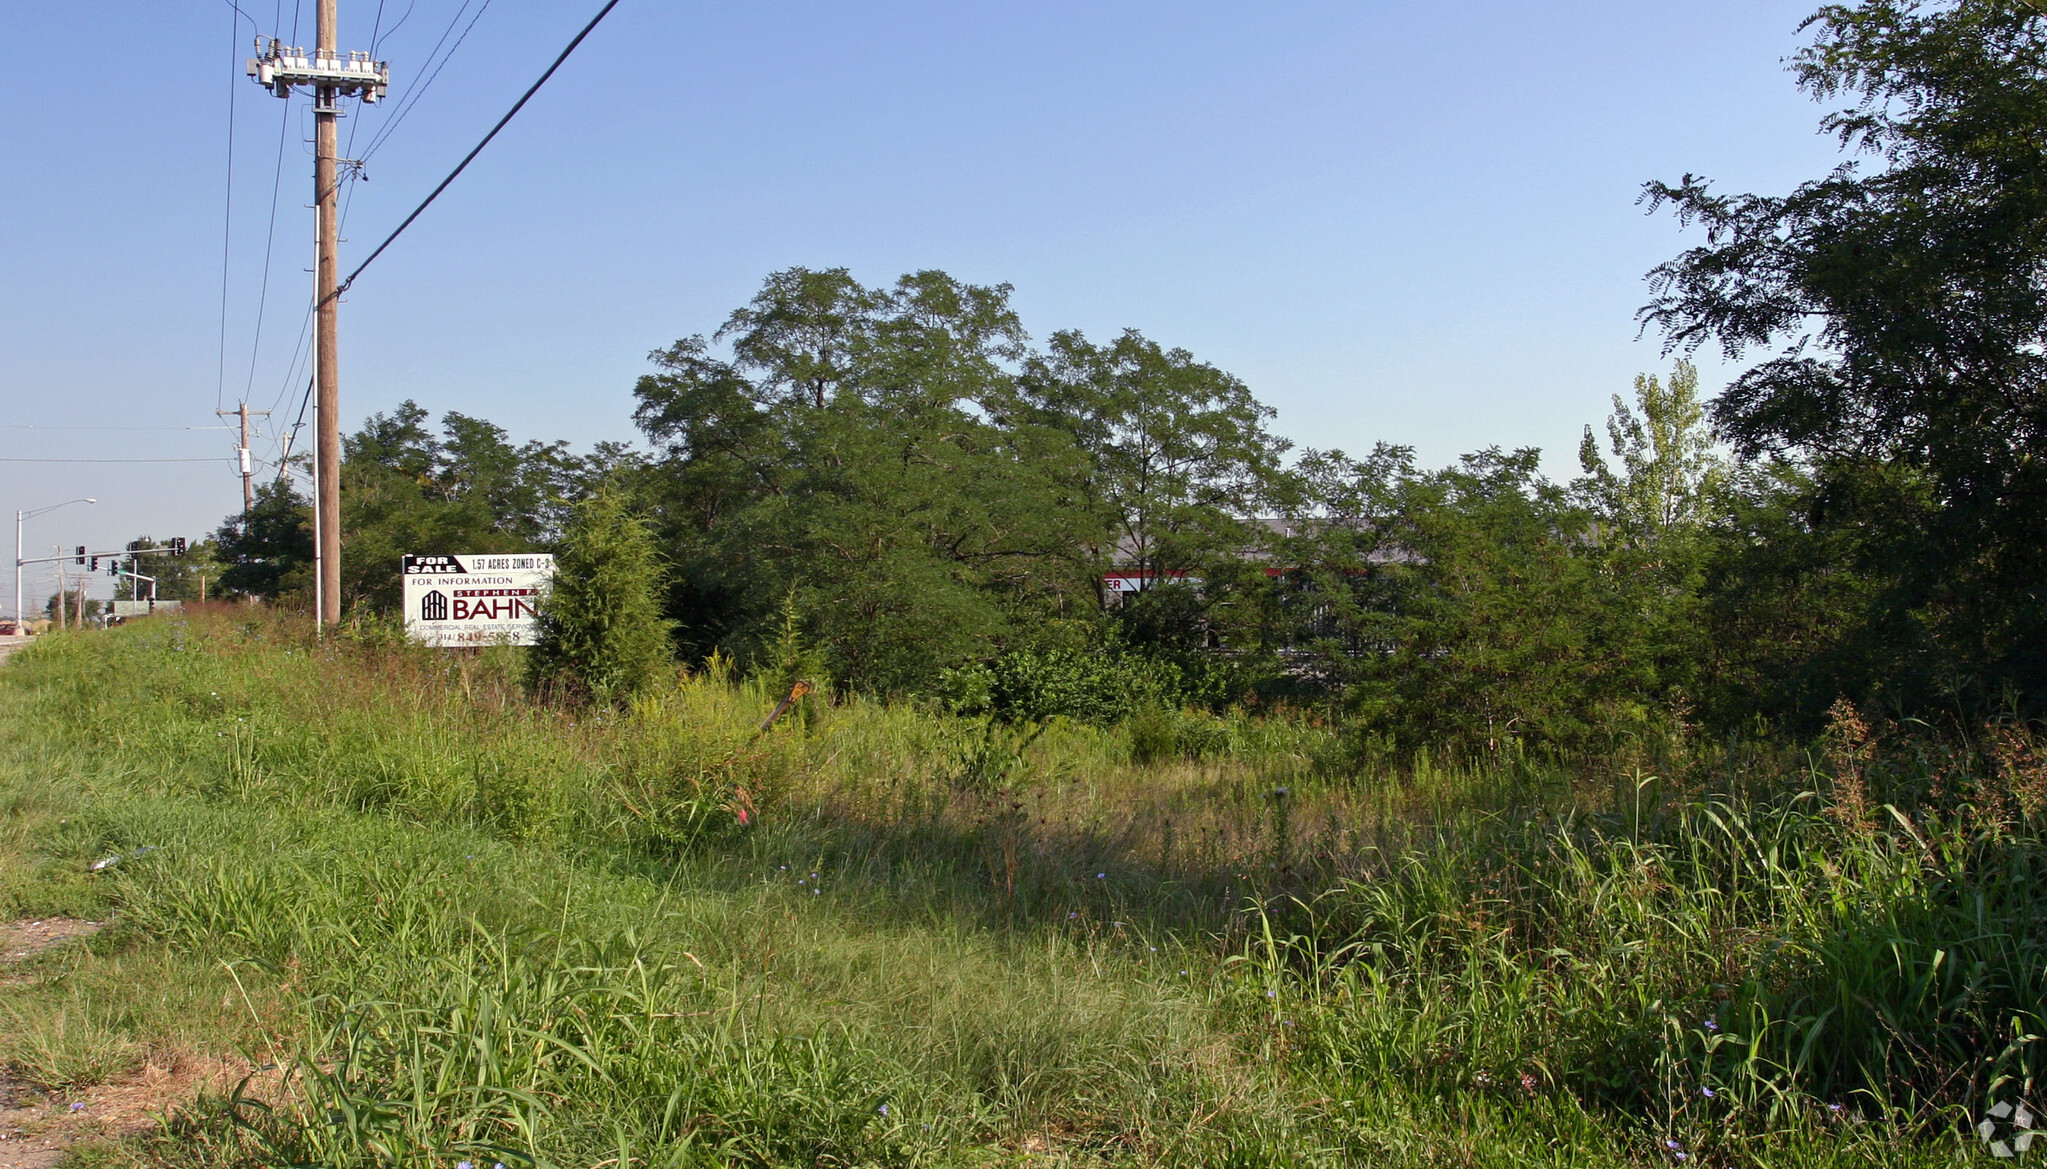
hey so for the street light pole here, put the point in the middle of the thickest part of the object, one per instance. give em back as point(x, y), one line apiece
point(20, 617)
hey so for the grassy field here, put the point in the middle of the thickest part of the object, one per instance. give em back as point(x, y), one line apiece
point(442, 924)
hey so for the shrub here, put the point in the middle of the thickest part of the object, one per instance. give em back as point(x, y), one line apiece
point(602, 636)
point(1100, 687)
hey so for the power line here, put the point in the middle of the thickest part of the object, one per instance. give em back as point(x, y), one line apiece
point(376, 39)
point(471, 156)
point(243, 15)
point(34, 426)
point(405, 99)
point(227, 218)
point(292, 368)
point(291, 436)
point(412, 97)
point(269, 244)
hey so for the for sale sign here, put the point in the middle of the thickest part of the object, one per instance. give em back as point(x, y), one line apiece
point(466, 601)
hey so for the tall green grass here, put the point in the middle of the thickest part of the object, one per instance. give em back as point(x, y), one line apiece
point(472, 928)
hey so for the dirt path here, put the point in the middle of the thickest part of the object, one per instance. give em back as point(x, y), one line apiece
point(40, 1127)
point(28, 1137)
point(27, 1147)
point(25, 939)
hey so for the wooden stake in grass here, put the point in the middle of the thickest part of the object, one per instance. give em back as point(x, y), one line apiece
point(796, 692)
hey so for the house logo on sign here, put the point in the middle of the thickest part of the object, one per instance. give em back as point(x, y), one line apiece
point(434, 606)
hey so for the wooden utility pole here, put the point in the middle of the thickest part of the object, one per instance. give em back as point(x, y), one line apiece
point(248, 488)
point(327, 421)
point(331, 76)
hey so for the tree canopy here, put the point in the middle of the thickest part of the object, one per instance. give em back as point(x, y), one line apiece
point(893, 489)
point(1900, 305)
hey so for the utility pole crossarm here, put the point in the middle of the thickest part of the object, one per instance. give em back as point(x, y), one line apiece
point(278, 66)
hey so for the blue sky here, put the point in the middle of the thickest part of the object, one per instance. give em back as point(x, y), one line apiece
point(1399, 221)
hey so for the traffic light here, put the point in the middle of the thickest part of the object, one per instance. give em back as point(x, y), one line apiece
point(95, 564)
point(114, 567)
point(178, 545)
point(81, 554)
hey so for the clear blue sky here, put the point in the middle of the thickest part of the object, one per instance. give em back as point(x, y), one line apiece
point(1401, 221)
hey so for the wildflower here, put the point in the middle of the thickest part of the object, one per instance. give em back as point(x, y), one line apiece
point(1268, 994)
point(883, 1110)
point(1706, 1092)
point(77, 1106)
point(742, 817)
point(1833, 1108)
point(1673, 1146)
point(1101, 876)
point(464, 1165)
point(1712, 1026)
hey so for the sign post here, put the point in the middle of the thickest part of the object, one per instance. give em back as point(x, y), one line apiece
point(465, 601)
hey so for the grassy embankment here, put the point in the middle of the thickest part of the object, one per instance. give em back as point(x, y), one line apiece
point(470, 928)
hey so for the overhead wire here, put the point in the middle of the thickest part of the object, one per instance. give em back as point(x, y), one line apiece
point(227, 219)
point(351, 174)
point(284, 456)
point(291, 376)
point(478, 149)
point(377, 41)
point(241, 14)
point(289, 436)
point(407, 99)
point(416, 91)
point(388, 128)
point(270, 230)
point(269, 244)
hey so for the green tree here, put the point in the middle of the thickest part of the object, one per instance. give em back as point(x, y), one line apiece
point(1180, 462)
point(1786, 592)
point(269, 551)
point(76, 604)
point(177, 577)
point(1461, 609)
point(406, 490)
point(1902, 312)
point(853, 455)
point(602, 636)
point(1670, 474)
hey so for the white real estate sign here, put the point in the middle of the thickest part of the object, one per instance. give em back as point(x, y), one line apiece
point(462, 601)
